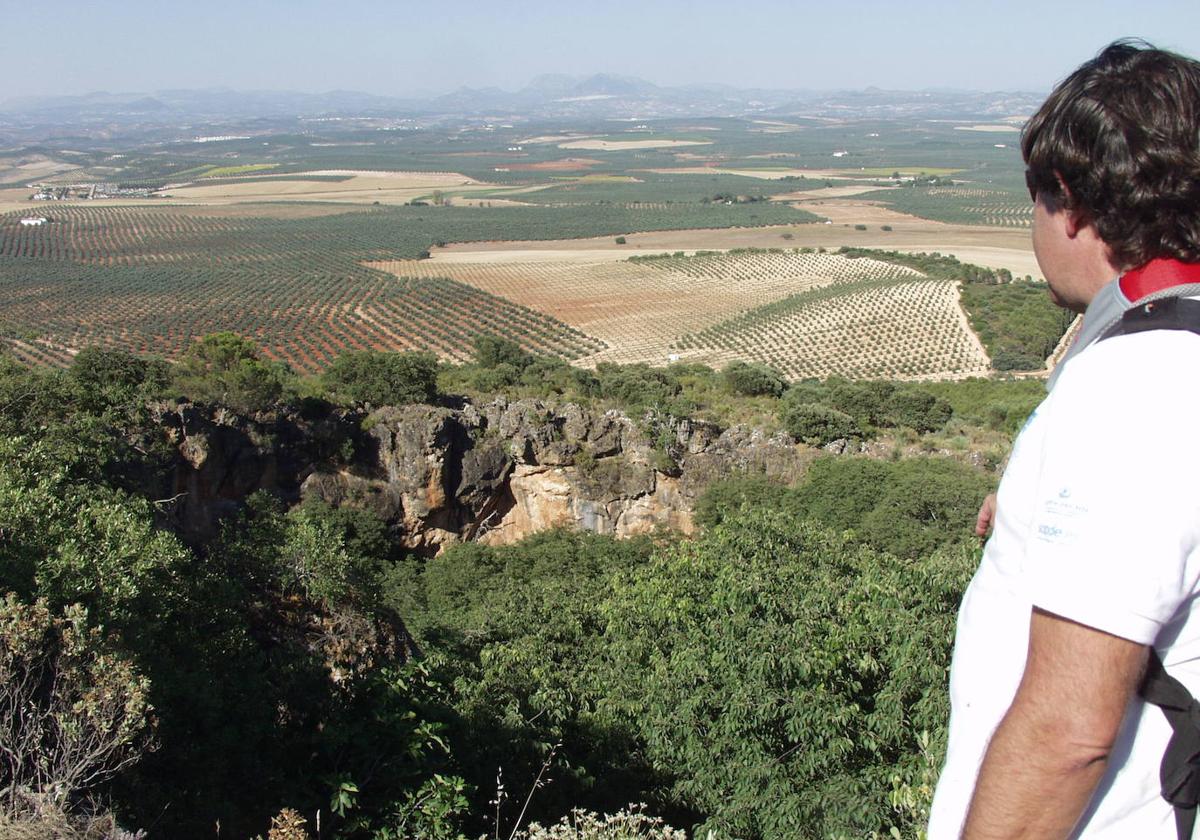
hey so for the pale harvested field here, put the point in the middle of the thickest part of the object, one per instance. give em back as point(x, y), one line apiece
point(776, 127)
point(549, 138)
point(1000, 129)
point(17, 198)
point(467, 201)
point(630, 145)
point(25, 170)
point(640, 310)
point(766, 174)
point(763, 174)
point(362, 187)
point(275, 210)
point(993, 247)
point(843, 191)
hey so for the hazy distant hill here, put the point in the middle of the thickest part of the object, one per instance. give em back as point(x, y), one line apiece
point(601, 95)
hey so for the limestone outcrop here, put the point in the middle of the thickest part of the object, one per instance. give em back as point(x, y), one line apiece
point(494, 472)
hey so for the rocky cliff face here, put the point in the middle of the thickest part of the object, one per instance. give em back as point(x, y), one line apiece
point(496, 472)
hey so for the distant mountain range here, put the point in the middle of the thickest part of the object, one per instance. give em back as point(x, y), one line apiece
point(548, 96)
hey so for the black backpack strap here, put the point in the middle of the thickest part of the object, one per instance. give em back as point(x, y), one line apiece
point(1170, 313)
point(1179, 773)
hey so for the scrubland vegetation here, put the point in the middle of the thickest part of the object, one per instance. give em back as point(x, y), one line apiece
point(781, 673)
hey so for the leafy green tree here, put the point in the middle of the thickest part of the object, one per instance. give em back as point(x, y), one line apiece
point(908, 508)
point(817, 424)
point(384, 378)
point(107, 377)
point(493, 350)
point(753, 379)
point(639, 387)
point(226, 369)
point(725, 498)
point(71, 541)
point(517, 632)
point(839, 492)
point(917, 409)
point(927, 502)
point(782, 674)
point(496, 378)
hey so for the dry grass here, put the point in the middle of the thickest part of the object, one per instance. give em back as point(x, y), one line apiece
point(38, 821)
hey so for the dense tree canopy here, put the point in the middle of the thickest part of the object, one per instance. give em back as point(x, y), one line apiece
point(771, 676)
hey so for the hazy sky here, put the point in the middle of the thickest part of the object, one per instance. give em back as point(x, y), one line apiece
point(434, 46)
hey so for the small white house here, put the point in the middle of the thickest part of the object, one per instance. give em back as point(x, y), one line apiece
point(34, 220)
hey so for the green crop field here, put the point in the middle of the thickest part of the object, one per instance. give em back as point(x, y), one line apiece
point(154, 280)
point(961, 204)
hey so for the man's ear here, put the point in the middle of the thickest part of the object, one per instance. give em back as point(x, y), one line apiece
point(1076, 220)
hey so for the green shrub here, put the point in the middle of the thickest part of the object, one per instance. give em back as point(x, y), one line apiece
point(76, 711)
point(377, 378)
point(817, 424)
point(782, 675)
point(224, 368)
point(517, 631)
point(725, 498)
point(493, 350)
point(107, 377)
point(753, 380)
point(908, 508)
point(872, 405)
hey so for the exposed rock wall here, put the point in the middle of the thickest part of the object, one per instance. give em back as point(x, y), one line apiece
point(495, 472)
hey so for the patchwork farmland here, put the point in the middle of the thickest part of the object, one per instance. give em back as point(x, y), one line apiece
point(312, 249)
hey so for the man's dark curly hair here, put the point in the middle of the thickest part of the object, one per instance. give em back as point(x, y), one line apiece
point(1123, 134)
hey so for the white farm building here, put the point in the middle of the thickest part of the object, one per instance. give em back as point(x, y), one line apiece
point(34, 220)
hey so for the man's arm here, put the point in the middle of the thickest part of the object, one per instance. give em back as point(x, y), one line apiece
point(986, 517)
point(1050, 751)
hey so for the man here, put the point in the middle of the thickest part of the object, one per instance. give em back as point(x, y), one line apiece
point(1095, 555)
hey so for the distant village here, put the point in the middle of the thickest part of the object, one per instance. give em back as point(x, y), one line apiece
point(87, 192)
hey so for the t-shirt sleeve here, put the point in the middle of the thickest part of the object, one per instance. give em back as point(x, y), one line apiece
point(1114, 524)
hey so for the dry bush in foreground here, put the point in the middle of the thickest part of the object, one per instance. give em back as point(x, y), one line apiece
point(72, 713)
point(627, 824)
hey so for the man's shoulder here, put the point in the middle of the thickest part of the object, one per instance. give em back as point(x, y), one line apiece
point(1127, 389)
point(1142, 361)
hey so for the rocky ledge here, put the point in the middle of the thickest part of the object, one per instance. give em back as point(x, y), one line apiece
point(495, 472)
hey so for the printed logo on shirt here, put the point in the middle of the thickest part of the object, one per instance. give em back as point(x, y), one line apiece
point(1057, 518)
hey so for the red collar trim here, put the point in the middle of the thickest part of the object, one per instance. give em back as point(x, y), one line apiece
point(1157, 275)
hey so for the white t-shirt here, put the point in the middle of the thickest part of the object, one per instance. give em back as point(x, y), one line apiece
point(1098, 521)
